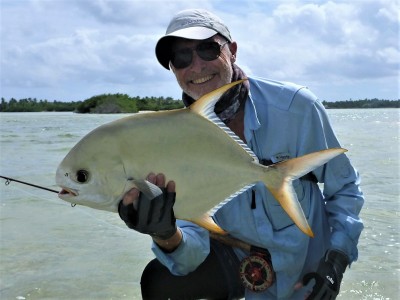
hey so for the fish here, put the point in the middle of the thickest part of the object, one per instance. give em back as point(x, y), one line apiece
point(208, 162)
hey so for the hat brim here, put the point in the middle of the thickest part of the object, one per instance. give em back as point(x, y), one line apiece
point(163, 47)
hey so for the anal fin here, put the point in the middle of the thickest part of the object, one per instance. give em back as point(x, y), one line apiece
point(208, 223)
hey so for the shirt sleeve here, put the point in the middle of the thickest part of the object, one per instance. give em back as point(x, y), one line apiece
point(192, 251)
point(341, 181)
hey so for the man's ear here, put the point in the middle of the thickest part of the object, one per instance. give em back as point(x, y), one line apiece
point(233, 49)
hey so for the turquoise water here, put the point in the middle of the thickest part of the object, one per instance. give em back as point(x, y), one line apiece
point(49, 250)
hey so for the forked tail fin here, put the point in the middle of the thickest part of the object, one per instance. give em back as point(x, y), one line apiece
point(287, 171)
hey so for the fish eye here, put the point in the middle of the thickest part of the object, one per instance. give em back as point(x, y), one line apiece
point(82, 176)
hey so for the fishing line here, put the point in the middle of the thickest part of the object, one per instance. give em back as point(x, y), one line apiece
point(33, 195)
point(9, 180)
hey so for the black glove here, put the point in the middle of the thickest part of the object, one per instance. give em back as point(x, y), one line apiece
point(328, 276)
point(154, 216)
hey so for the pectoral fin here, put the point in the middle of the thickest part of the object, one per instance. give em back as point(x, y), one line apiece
point(149, 189)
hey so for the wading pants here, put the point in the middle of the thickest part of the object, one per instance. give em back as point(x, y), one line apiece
point(216, 278)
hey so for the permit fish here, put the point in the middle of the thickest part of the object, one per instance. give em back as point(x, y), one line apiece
point(191, 146)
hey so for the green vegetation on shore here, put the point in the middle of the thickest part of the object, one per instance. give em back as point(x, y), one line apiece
point(101, 104)
point(122, 103)
point(366, 103)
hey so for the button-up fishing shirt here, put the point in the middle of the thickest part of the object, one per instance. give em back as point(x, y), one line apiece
point(282, 121)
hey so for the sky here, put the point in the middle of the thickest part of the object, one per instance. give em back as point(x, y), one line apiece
point(71, 50)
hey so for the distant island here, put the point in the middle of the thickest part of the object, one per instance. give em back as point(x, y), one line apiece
point(101, 104)
point(366, 103)
point(122, 103)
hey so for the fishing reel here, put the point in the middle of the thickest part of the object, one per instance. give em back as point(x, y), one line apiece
point(256, 272)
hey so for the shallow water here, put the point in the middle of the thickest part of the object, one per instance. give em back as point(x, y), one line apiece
point(52, 251)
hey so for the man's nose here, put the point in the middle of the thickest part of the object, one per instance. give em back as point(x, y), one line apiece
point(197, 63)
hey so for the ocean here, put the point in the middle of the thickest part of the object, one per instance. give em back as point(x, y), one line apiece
point(50, 250)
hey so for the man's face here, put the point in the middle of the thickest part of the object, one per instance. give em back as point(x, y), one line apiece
point(201, 76)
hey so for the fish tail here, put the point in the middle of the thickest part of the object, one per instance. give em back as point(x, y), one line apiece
point(285, 172)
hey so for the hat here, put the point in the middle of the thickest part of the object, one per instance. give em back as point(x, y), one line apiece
point(193, 24)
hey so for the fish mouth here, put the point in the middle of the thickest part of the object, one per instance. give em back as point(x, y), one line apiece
point(67, 193)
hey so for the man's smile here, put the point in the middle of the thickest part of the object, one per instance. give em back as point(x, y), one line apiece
point(202, 79)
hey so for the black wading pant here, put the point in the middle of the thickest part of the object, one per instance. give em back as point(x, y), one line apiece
point(216, 278)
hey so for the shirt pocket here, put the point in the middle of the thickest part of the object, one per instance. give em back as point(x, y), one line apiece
point(278, 216)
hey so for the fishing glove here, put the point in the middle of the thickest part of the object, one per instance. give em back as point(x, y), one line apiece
point(154, 216)
point(328, 276)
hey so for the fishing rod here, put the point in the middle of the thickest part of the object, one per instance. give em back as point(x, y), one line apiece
point(8, 181)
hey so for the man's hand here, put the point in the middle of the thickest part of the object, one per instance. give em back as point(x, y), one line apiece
point(151, 216)
point(328, 276)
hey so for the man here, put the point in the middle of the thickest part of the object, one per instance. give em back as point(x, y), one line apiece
point(277, 121)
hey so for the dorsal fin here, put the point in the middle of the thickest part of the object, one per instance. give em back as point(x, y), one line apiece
point(205, 105)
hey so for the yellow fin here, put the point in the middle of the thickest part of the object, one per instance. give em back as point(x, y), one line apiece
point(206, 103)
point(208, 223)
point(287, 171)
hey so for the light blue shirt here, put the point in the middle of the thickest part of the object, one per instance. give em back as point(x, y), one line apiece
point(282, 121)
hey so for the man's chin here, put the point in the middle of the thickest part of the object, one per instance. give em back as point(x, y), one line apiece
point(197, 91)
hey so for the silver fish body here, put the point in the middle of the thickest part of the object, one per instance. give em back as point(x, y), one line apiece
point(190, 146)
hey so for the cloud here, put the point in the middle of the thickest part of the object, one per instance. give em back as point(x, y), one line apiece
point(75, 49)
point(332, 39)
point(122, 13)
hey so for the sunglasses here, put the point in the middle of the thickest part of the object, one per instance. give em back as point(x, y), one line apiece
point(207, 51)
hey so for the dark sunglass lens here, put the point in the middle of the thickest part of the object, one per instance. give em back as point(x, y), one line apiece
point(182, 58)
point(208, 51)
